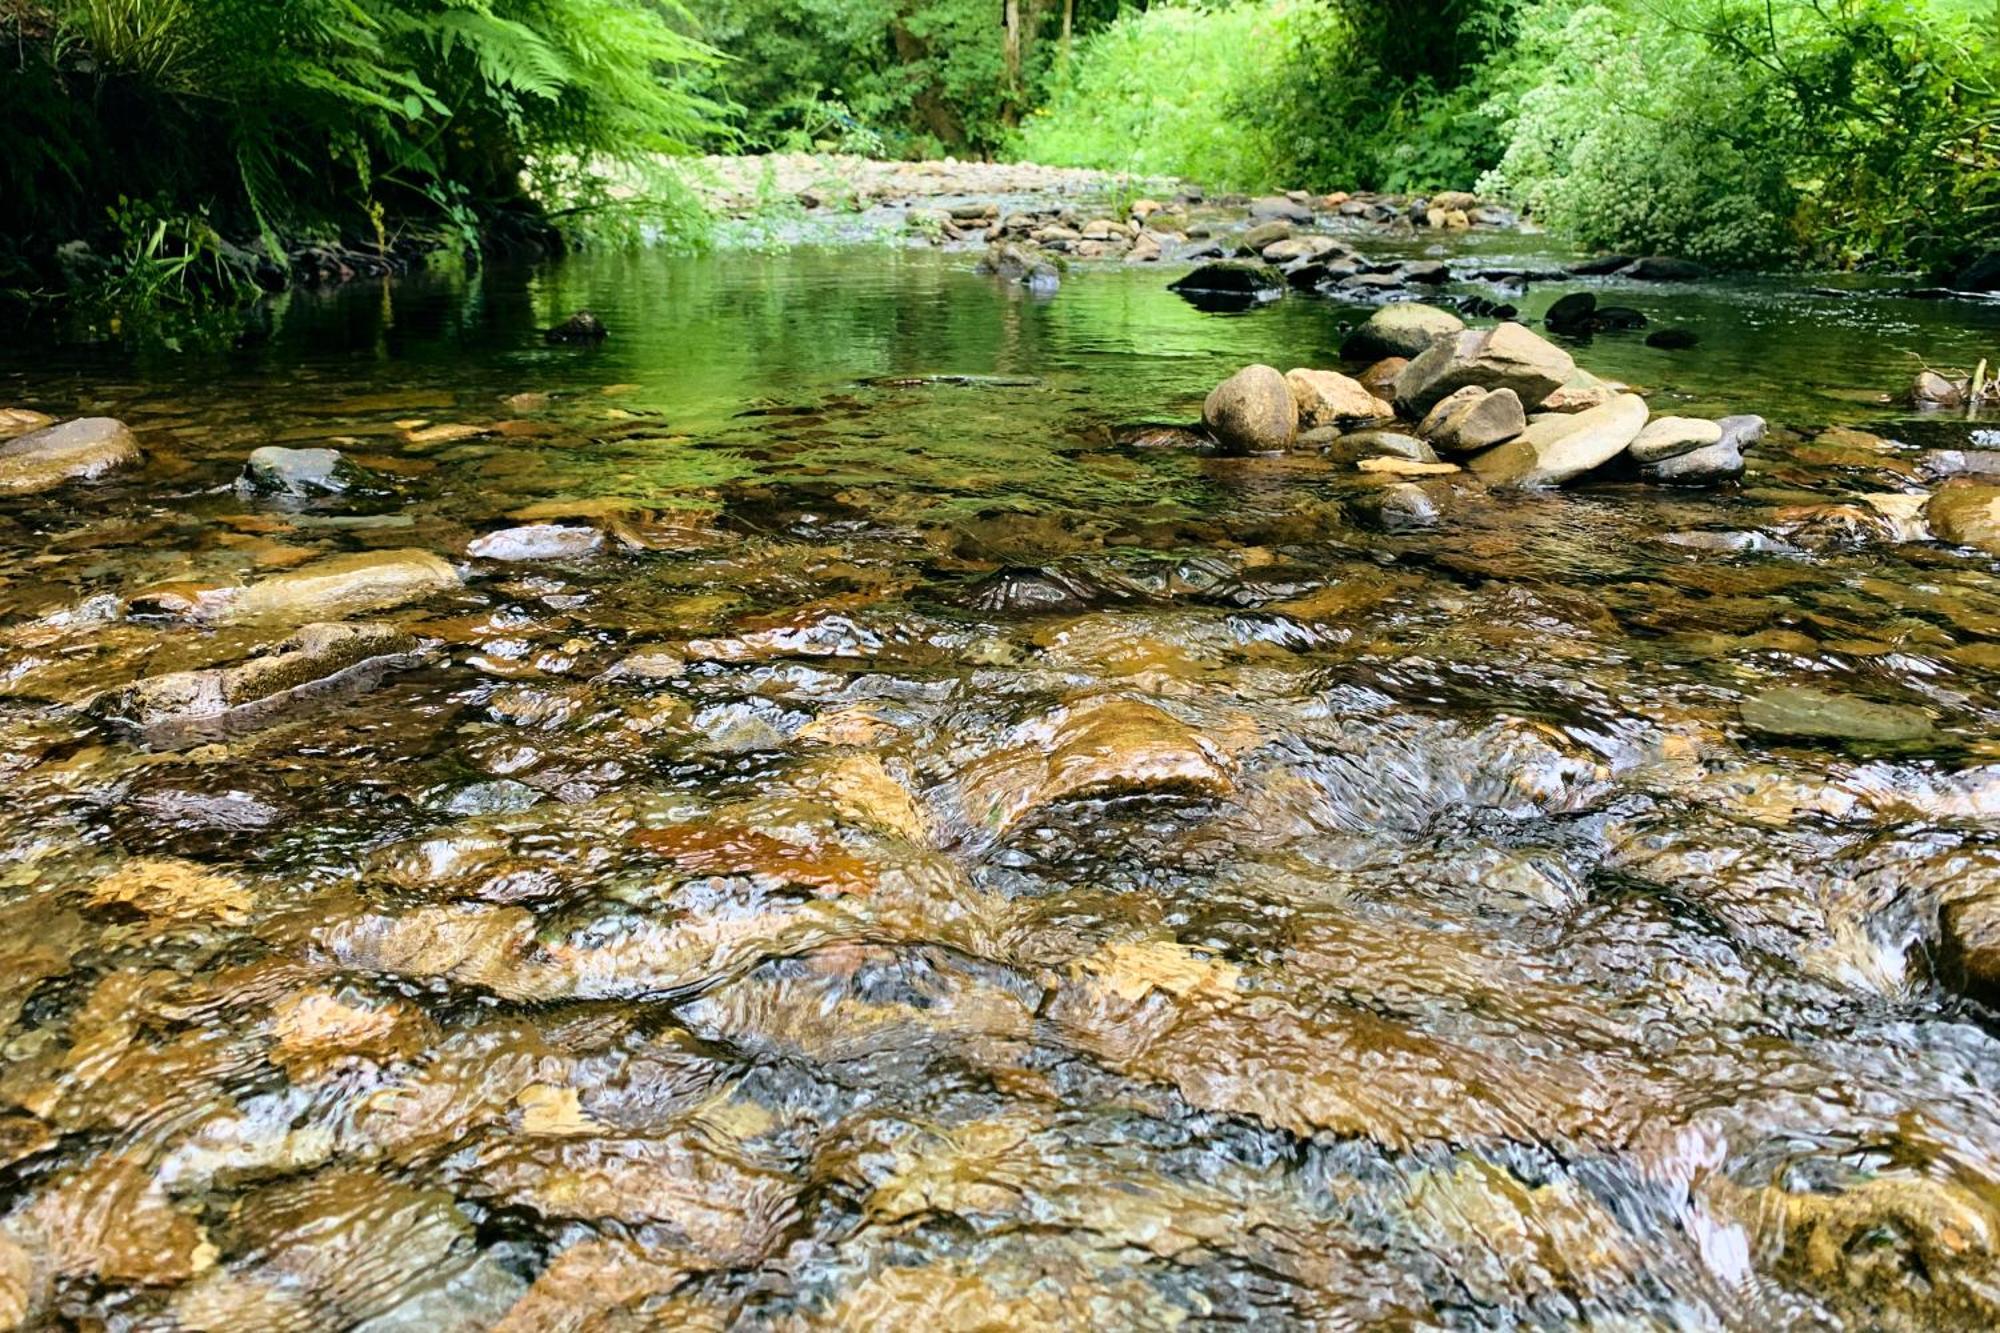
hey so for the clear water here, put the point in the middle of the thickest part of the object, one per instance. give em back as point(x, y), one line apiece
point(1068, 880)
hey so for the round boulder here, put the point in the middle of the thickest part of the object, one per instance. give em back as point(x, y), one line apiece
point(1404, 329)
point(1252, 410)
point(1966, 516)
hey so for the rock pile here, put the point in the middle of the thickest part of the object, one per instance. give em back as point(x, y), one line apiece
point(1502, 403)
point(1292, 234)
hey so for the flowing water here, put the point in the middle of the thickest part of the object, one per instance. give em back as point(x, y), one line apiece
point(955, 859)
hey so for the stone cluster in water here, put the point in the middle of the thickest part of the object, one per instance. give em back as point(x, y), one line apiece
point(432, 903)
point(1505, 406)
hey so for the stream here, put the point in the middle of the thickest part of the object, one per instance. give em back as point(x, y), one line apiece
point(934, 852)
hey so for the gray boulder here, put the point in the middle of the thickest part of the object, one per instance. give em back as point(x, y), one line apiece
point(81, 450)
point(1710, 465)
point(1252, 410)
point(1279, 208)
point(1670, 437)
point(1474, 419)
point(1508, 356)
point(273, 470)
point(1555, 450)
point(1403, 329)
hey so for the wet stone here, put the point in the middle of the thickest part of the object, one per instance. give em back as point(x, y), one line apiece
point(334, 587)
point(1556, 450)
point(317, 658)
point(537, 541)
point(274, 470)
point(1798, 710)
point(82, 450)
point(1507, 356)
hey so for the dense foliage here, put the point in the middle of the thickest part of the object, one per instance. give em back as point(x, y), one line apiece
point(909, 78)
point(179, 119)
point(1737, 131)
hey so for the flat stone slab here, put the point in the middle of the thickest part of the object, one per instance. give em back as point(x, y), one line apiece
point(80, 450)
point(321, 658)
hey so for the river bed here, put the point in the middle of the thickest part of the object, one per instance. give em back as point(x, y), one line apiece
point(942, 857)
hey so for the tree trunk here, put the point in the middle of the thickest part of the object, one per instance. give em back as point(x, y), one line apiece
point(1069, 27)
point(1011, 50)
point(937, 116)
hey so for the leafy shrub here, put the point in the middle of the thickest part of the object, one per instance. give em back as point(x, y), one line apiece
point(1616, 146)
point(1390, 94)
point(1850, 131)
point(1177, 89)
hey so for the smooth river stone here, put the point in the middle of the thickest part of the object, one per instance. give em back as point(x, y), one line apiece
point(1402, 329)
point(537, 541)
point(316, 656)
point(1967, 516)
point(81, 450)
point(1670, 437)
point(1557, 449)
point(1508, 356)
point(1800, 710)
point(275, 470)
point(1254, 409)
point(341, 585)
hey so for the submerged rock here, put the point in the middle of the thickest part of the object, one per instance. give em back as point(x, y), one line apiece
point(1404, 328)
point(317, 657)
point(1013, 261)
point(1555, 450)
point(81, 450)
point(1104, 747)
point(582, 327)
point(1966, 516)
point(1507, 356)
point(1970, 928)
point(20, 420)
point(1404, 506)
point(1800, 710)
point(1254, 409)
point(328, 589)
point(537, 541)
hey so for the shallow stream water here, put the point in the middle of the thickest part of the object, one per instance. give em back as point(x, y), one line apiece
point(955, 858)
